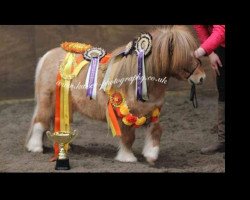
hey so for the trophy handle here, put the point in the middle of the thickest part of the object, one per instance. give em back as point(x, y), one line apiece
point(74, 134)
point(49, 135)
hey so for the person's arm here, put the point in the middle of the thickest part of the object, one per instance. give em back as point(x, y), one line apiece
point(215, 62)
point(210, 43)
point(203, 35)
point(202, 32)
point(216, 38)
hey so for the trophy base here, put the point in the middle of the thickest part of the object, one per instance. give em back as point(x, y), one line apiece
point(62, 164)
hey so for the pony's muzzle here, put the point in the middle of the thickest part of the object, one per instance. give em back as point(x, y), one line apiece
point(197, 77)
point(197, 80)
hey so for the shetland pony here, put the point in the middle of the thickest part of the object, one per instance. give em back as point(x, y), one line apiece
point(171, 56)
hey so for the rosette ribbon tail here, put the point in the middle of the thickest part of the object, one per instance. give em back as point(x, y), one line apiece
point(105, 83)
point(62, 100)
point(91, 80)
point(112, 121)
point(141, 84)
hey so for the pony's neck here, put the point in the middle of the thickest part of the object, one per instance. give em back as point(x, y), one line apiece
point(156, 91)
point(157, 79)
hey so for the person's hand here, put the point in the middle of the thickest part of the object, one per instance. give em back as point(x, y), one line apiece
point(199, 52)
point(215, 62)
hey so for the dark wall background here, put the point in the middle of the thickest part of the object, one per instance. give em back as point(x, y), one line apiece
point(22, 45)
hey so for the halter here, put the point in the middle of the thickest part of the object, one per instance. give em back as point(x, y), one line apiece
point(193, 96)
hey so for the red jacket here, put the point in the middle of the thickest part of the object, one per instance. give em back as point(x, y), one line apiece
point(211, 36)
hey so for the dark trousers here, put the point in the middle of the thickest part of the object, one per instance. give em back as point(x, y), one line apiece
point(220, 80)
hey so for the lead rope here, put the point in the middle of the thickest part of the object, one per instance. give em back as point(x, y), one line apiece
point(193, 97)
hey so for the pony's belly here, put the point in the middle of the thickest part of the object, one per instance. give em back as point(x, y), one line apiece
point(94, 109)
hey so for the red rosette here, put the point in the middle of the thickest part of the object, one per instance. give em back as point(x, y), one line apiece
point(131, 119)
point(154, 119)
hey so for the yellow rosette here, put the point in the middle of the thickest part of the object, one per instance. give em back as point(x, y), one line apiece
point(124, 109)
point(140, 121)
point(156, 113)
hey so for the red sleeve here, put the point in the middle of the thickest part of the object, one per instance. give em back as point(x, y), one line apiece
point(216, 38)
point(202, 32)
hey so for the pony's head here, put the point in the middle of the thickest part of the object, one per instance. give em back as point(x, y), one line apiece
point(172, 55)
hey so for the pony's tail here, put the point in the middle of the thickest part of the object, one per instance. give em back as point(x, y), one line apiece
point(38, 70)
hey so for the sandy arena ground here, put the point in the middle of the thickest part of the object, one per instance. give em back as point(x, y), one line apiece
point(185, 131)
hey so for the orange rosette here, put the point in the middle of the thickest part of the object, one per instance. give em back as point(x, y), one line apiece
point(75, 47)
point(116, 99)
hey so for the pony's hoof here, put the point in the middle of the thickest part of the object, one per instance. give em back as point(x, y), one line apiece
point(126, 157)
point(151, 154)
point(34, 147)
point(151, 161)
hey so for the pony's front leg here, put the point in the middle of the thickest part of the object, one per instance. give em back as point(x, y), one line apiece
point(127, 139)
point(152, 142)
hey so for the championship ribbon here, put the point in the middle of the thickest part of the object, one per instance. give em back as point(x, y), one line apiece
point(143, 47)
point(93, 55)
point(70, 68)
point(112, 121)
point(116, 99)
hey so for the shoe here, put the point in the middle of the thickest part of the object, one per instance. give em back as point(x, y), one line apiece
point(214, 148)
point(221, 121)
point(219, 146)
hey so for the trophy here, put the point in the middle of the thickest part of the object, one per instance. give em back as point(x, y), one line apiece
point(62, 138)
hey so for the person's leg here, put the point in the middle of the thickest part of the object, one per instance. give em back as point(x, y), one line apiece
point(219, 146)
point(221, 101)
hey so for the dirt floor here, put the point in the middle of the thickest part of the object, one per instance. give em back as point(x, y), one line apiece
point(185, 131)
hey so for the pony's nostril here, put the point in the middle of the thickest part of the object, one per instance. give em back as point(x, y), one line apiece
point(201, 80)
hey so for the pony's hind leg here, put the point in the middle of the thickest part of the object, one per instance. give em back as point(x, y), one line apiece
point(40, 123)
point(152, 142)
point(125, 153)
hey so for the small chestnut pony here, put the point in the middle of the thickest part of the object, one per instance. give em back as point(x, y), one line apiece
point(171, 56)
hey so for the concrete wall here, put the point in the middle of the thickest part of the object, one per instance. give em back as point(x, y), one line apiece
point(21, 47)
